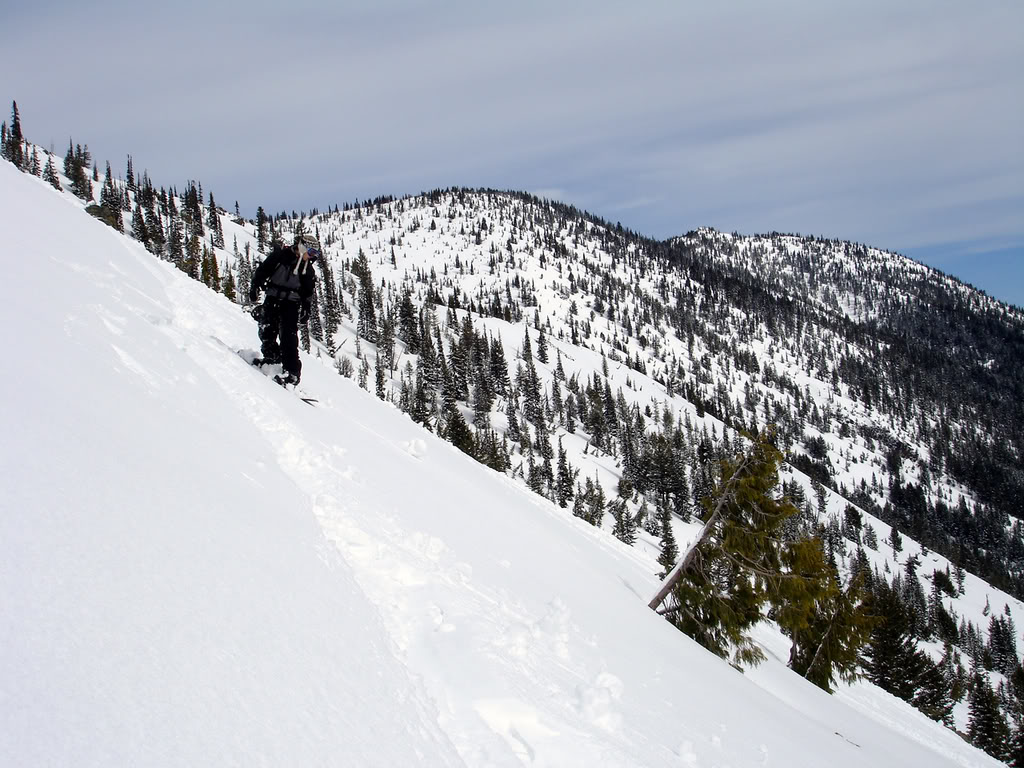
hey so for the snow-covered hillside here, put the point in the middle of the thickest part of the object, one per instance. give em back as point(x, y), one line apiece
point(198, 568)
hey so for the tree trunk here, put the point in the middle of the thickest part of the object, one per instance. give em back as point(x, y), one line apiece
point(686, 561)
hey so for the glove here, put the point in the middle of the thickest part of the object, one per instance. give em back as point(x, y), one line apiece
point(303, 314)
point(254, 294)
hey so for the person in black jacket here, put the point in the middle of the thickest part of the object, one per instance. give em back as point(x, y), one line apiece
point(287, 274)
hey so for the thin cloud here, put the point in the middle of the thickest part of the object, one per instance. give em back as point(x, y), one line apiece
point(893, 125)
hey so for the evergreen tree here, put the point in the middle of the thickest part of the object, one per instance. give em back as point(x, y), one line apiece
point(458, 432)
point(579, 504)
point(110, 202)
point(155, 233)
point(193, 255)
point(213, 222)
point(669, 549)
point(228, 287)
point(76, 164)
point(139, 231)
point(13, 150)
point(316, 328)
point(828, 637)
point(367, 322)
point(482, 401)
point(624, 528)
point(1015, 751)
point(332, 305)
point(595, 503)
point(408, 330)
point(50, 174)
point(175, 246)
point(986, 726)
point(513, 431)
point(739, 561)
point(261, 230)
point(933, 696)
point(897, 542)
point(379, 378)
point(893, 661)
point(564, 479)
point(499, 368)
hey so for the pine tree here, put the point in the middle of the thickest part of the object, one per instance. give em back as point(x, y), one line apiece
point(1015, 751)
point(76, 163)
point(579, 504)
point(933, 696)
point(499, 368)
point(739, 561)
point(595, 499)
point(513, 431)
point(316, 328)
point(228, 284)
point(481, 404)
point(12, 148)
point(624, 528)
point(155, 231)
point(110, 202)
point(332, 304)
point(986, 726)
point(50, 174)
point(261, 230)
point(408, 329)
point(193, 254)
point(563, 477)
point(367, 321)
point(669, 549)
point(379, 378)
point(893, 662)
point(139, 231)
point(897, 542)
point(827, 637)
point(458, 432)
point(213, 222)
point(175, 244)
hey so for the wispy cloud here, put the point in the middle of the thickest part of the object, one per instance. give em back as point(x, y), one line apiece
point(894, 125)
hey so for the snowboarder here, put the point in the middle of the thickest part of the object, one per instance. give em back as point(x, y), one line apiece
point(287, 274)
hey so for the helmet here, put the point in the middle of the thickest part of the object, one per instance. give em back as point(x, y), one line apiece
point(308, 244)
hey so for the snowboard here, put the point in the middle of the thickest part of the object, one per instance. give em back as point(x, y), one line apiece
point(276, 372)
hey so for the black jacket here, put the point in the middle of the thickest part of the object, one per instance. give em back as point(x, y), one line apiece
point(284, 278)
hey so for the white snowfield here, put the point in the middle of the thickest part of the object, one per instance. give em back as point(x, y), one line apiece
point(197, 568)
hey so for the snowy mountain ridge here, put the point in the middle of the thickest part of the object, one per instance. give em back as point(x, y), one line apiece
point(442, 235)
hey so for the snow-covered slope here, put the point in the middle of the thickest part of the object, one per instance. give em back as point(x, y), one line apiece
point(198, 568)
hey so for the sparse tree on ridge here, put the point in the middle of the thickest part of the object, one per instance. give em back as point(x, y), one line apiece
point(50, 174)
point(12, 148)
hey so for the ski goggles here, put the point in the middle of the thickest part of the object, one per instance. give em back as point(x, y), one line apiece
point(311, 251)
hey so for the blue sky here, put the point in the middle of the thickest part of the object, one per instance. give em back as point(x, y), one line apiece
point(899, 125)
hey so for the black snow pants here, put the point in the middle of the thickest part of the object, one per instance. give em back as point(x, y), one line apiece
point(279, 333)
